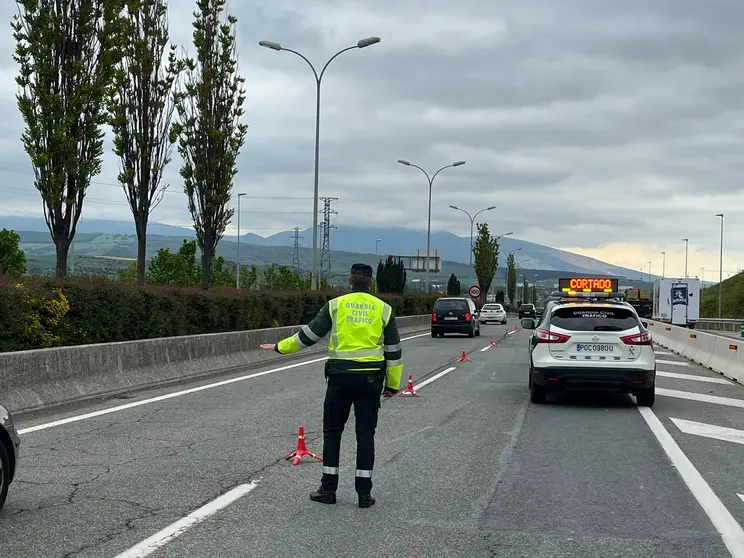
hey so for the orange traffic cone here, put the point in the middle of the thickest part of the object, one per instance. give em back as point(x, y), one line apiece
point(409, 388)
point(301, 449)
point(464, 357)
point(491, 343)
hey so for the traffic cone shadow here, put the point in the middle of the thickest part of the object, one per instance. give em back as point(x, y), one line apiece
point(409, 390)
point(301, 450)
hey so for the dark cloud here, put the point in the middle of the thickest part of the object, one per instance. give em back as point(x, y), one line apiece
point(587, 123)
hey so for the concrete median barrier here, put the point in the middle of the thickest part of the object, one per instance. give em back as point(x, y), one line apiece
point(32, 380)
point(721, 354)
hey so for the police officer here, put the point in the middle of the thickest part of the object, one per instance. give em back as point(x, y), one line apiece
point(364, 359)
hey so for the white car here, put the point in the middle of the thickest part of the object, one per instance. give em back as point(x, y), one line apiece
point(492, 312)
point(591, 343)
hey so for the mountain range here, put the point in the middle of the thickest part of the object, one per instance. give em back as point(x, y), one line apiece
point(394, 241)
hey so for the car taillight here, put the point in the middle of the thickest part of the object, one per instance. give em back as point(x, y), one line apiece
point(433, 317)
point(467, 317)
point(637, 339)
point(545, 336)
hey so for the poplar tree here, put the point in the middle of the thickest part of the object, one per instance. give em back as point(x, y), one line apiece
point(511, 273)
point(67, 53)
point(210, 135)
point(485, 258)
point(142, 111)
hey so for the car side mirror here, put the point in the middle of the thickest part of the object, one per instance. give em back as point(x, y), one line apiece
point(528, 323)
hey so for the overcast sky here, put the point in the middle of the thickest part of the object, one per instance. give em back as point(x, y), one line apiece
point(612, 129)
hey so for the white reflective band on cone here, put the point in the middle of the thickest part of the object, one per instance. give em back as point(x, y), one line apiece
point(363, 474)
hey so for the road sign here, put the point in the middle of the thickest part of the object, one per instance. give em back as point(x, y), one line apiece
point(474, 291)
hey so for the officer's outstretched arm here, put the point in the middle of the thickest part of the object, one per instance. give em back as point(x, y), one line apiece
point(309, 334)
point(393, 355)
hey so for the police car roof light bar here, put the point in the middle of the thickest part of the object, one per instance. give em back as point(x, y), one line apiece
point(579, 294)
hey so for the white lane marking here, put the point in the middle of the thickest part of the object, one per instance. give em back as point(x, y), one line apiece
point(703, 397)
point(741, 496)
point(727, 526)
point(484, 349)
point(722, 433)
point(166, 396)
point(434, 378)
point(672, 362)
point(161, 538)
point(693, 377)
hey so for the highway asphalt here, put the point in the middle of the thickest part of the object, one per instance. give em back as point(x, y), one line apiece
point(471, 468)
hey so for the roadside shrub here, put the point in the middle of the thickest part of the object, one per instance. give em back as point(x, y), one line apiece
point(47, 312)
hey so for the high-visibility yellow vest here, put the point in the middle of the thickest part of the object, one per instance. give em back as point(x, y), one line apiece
point(357, 331)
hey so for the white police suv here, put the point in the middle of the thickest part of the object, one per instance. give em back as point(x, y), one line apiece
point(590, 339)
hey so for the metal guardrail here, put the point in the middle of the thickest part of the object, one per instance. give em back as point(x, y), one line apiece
point(720, 324)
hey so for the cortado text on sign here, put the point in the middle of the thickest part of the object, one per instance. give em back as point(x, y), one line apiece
point(588, 285)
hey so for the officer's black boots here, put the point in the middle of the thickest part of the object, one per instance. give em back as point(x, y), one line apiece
point(366, 500)
point(323, 496)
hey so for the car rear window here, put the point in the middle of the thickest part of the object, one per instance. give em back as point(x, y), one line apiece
point(492, 307)
point(451, 304)
point(526, 307)
point(587, 318)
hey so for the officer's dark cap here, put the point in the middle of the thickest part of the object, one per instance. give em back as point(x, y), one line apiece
point(361, 269)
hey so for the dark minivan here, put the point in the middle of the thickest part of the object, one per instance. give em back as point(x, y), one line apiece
point(454, 315)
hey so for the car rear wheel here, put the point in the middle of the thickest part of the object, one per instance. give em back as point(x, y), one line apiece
point(4, 474)
point(537, 394)
point(433, 334)
point(645, 396)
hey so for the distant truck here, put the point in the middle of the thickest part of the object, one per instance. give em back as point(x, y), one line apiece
point(677, 301)
point(640, 299)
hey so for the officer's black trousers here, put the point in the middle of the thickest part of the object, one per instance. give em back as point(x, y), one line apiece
point(363, 391)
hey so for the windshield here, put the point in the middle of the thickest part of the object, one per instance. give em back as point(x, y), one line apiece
point(588, 318)
point(450, 304)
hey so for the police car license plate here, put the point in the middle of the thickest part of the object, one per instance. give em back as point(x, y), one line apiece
point(594, 348)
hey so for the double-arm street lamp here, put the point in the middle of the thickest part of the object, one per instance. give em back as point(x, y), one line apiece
point(318, 78)
point(428, 227)
point(472, 220)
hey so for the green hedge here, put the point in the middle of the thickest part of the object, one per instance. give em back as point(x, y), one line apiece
point(103, 310)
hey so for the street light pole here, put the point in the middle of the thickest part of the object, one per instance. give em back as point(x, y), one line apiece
point(649, 271)
point(428, 226)
point(318, 78)
point(472, 220)
point(376, 244)
point(720, 272)
point(663, 264)
point(687, 243)
point(237, 264)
